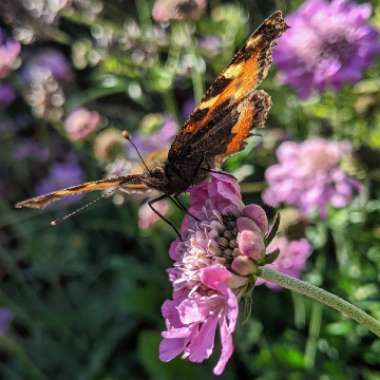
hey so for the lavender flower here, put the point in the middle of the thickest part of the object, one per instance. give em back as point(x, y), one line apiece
point(29, 149)
point(211, 271)
point(292, 258)
point(6, 318)
point(44, 75)
point(61, 175)
point(167, 10)
point(148, 141)
point(187, 108)
point(50, 60)
point(9, 51)
point(7, 95)
point(308, 176)
point(80, 123)
point(328, 44)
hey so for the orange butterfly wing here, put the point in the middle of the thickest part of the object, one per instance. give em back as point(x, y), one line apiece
point(130, 183)
point(232, 91)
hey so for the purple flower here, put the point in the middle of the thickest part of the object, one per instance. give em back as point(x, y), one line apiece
point(328, 44)
point(29, 149)
point(211, 270)
point(167, 10)
point(7, 95)
point(9, 51)
point(187, 108)
point(6, 318)
point(158, 140)
point(308, 176)
point(212, 45)
point(49, 60)
point(292, 258)
point(80, 123)
point(61, 175)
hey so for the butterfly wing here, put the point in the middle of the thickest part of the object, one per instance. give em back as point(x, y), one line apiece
point(231, 107)
point(130, 183)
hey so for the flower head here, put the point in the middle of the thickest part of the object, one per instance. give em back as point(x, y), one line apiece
point(328, 44)
point(222, 240)
point(308, 176)
point(167, 10)
point(80, 123)
point(9, 51)
point(292, 258)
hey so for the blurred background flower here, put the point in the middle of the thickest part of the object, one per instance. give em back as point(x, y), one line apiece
point(308, 176)
point(61, 175)
point(6, 317)
point(292, 259)
point(168, 10)
point(7, 94)
point(80, 123)
point(9, 51)
point(328, 44)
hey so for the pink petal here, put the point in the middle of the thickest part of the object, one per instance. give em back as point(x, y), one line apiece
point(170, 348)
point(190, 312)
point(227, 348)
point(258, 215)
point(215, 276)
point(176, 333)
point(202, 345)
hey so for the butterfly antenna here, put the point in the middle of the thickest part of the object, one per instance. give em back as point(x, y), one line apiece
point(127, 136)
point(80, 209)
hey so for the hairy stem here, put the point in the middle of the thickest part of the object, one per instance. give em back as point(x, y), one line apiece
point(323, 297)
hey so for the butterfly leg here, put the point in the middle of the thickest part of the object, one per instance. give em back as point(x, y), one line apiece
point(155, 200)
point(176, 200)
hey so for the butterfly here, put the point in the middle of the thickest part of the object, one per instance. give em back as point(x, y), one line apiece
point(218, 127)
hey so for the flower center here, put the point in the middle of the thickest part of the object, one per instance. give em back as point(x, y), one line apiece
point(224, 244)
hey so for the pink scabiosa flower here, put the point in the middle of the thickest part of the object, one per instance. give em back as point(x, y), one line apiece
point(80, 123)
point(147, 218)
point(308, 176)
point(167, 10)
point(292, 258)
point(222, 242)
point(9, 51)
point(328, 44)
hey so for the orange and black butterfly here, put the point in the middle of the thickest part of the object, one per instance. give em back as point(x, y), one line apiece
point(217, 128)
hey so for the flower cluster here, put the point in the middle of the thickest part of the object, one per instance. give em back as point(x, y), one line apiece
point(308, 176)
point(213, 265)
point(328, 44)
point(44, 75)
point(9, 51)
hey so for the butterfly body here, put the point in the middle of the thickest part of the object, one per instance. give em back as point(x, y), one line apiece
point(217, 128)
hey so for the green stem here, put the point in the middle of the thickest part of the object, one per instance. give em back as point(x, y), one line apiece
point(196, 74)
point(323, 297)
point(314, 330)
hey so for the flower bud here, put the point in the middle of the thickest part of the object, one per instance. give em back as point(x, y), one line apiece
point(251, 244)
point(243, 265)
